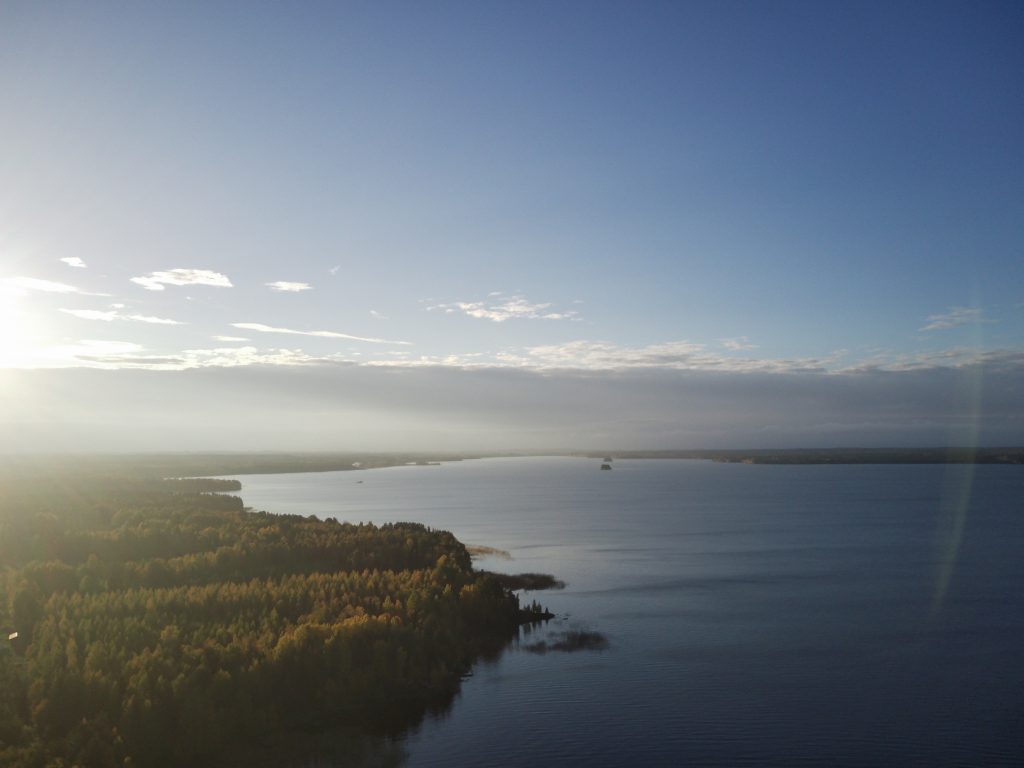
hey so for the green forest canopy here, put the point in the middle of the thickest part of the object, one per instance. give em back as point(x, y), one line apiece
point(159, 624)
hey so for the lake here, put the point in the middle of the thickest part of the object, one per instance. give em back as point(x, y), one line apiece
point(784, 615)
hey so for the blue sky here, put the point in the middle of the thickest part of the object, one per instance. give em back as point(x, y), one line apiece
point(534, 190)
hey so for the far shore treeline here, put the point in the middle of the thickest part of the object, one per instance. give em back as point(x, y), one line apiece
point(146, 466)
point(946, 455)
point(149, 622)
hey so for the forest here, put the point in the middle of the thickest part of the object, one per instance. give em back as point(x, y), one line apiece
point(153, 622)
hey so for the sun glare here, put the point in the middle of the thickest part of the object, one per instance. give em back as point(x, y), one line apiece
point(15, 332)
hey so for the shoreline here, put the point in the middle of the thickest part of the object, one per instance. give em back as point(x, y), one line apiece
point(147, 466)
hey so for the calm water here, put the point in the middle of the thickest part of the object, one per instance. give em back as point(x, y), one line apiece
point(851, 615)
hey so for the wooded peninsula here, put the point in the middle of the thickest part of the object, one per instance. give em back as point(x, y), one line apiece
point(149, 622)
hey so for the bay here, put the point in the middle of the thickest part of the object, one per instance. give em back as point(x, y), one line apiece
point(755, 615)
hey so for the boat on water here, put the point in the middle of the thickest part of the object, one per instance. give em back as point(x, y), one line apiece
point(606, 466)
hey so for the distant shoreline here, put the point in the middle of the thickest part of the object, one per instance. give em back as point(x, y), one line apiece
point(302, 463)
point(950, 455)
point(180, 465)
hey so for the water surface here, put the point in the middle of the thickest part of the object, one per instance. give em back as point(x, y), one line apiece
point(787, 615)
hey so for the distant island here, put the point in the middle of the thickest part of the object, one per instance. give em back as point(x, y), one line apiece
point(154, 622)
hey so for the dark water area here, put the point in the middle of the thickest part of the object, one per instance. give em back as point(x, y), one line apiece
point(755, 615)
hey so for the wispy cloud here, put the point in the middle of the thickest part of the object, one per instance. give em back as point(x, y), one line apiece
point(606, 356)
point(671, 355)
point(86, 347)
point(126, 355)
point(156, 281)
point(955, 357)
point(287, 287)
point(956, 317)
point(134, 357)
point(229, 338)
point(603, 355)
point(737, 344)
point(74, 261)
point(334, 270)
point(77, 353)
point(46, 286)
point(232, 357)
point(92, 314)
point(152, 320)
point(113, 314)
point(498, 308)
point(261, 328)
point(374, 313)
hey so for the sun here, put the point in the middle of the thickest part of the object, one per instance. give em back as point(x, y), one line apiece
point(15, 333)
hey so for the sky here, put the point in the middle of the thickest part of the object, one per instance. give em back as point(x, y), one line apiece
point(496, 225)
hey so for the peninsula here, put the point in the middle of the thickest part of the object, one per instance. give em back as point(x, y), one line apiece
point(150, 622)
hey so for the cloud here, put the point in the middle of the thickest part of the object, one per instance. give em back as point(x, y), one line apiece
point(151, 319)
point(598, 355)
point(692, 357)
point(92, 314)
point(46, 286)
point(438, 408)
point(283, 285)
point(103, 346)
point(113, 314)
point(956, 317)
point(155, 281)
point(126, 356)
point(737, 344)
point(334, 270)
point(260, 327)
point(956, 357)
point(129, 361)
point(378, 315)
point(229, 338)
point(498, 308)
point(74, 261)
point(232, 357)
point(77, 353)
point(606, 356)
point(217, 357)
